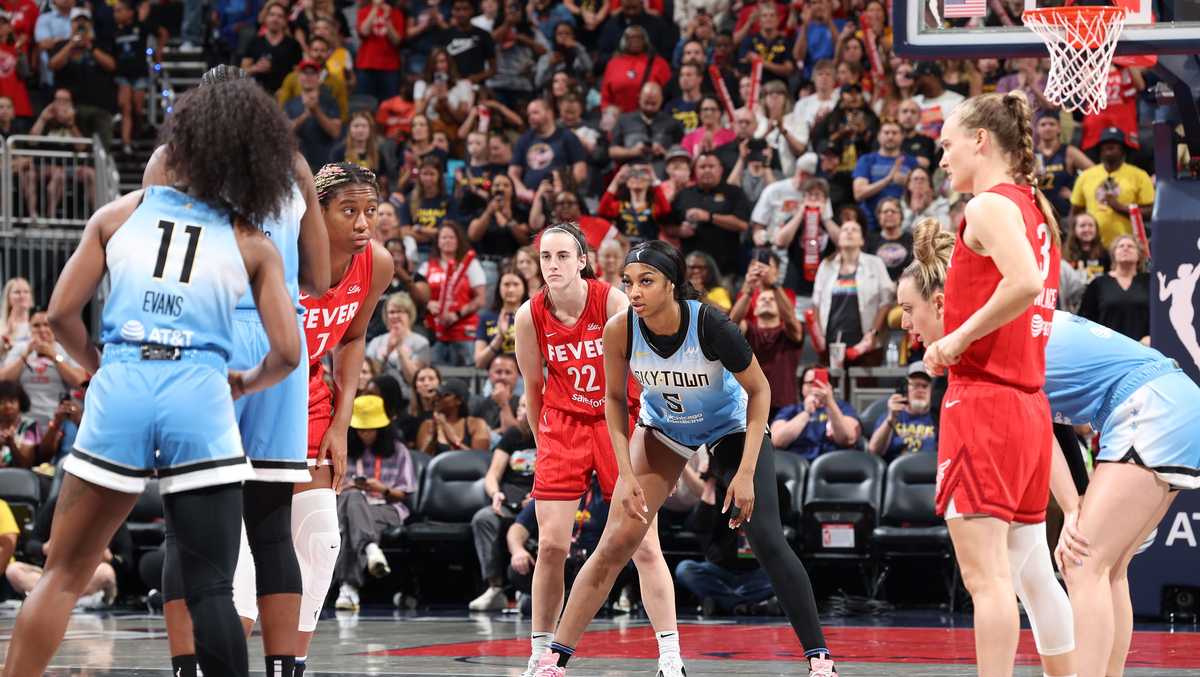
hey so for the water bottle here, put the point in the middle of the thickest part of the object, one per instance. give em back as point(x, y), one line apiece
point(893, 355)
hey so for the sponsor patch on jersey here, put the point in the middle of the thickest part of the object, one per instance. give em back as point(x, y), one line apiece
point(354, 289)
point(133, 331)
point(593, 327)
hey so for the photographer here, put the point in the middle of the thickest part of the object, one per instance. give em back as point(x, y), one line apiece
point(752, 171)
point(645, 135)
point(509, 483)
point(635, 202)
point(84, 67)
point(907, 427)
point(567, 56)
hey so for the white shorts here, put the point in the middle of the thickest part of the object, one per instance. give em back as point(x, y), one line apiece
point(1158, 428)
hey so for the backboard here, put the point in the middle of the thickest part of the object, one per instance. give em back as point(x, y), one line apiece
point(976, 29)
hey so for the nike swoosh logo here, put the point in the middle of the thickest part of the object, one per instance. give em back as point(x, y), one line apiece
point(550, 333)
point(951, 403)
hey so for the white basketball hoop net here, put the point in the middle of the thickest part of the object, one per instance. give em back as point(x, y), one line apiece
point(1081, 41)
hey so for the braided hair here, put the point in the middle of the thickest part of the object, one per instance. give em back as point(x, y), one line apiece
point(1008, 118)
point(333, 177)
point(222, 73)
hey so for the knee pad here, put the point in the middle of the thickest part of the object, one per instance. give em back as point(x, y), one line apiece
point(245, 590)
point(318, 543)
point(1044, 599)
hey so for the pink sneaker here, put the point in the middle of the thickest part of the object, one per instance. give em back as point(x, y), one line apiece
point(548, 666)
point(821, 667)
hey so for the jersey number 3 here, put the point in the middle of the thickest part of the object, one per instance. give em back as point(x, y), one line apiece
point(1043, 236)
point(164, 246)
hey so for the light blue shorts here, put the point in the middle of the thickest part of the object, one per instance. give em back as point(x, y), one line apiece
point(274, 422)
point(173, 418)
point(1158, 428)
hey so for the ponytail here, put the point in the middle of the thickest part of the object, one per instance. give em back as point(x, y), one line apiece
point(1009, 120)
point(1025, 163)
point(932, 248)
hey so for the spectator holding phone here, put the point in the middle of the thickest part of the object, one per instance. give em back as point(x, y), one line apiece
point(776, 336)
point(907, 426)
point(819, 423)
point(636, 203)
point(380, 476)
point(43, 369)
point(1107, 190)
point(645, 134)
point(19, 436)
point(509, 483)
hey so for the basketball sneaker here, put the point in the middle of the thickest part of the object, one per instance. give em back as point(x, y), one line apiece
point(548, 666)
point(671, 665)
point(821, 666)
point(347, 598)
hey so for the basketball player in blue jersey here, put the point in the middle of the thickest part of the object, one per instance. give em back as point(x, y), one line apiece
point(178, 260)
point(273, 425)
point(702, 390)
point(1147, 412)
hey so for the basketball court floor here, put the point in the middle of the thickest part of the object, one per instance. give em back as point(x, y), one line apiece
point(380, 642)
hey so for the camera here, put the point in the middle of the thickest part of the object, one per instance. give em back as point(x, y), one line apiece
point(902, 389)
point(762, 255)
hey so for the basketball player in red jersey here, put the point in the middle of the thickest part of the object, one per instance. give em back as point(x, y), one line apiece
point(561, 330)
point(335, 323)
point(994, 445)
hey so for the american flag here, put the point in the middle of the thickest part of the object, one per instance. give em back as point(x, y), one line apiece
point(964, 9)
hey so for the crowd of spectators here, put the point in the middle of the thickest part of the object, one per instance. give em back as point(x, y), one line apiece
point(488, 120)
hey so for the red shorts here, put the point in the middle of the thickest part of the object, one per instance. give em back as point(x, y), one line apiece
point(994, 452)
point(570, 448)
point(320, 415)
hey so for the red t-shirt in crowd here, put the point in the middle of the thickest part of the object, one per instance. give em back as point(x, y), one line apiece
point(1120, 113)
point(623, 79)
point(376, 52)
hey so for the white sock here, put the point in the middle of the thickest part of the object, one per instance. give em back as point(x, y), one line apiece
point(540, 642)
point(668, 643)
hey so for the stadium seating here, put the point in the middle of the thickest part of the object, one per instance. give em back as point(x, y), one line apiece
point(909, 529)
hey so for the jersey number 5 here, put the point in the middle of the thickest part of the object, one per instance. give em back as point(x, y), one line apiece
point(579, 373)
point(1043, 236)
point(164, 246)
point(674, 402)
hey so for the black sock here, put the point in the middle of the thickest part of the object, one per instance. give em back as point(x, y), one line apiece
point(563, 652)
point(183, 666)
point(281, 666)
point(300, 665)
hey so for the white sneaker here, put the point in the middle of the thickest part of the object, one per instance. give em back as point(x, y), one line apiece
point(821, 666)
point(671, 665)
point(377, 563)
point(347, 598)
point(93, 601)
point(492, 599)
point(532, 666)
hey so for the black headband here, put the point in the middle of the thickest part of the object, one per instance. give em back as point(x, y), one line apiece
point(655, 259)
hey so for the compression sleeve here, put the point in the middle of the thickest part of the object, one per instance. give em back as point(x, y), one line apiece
point(723, 341)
